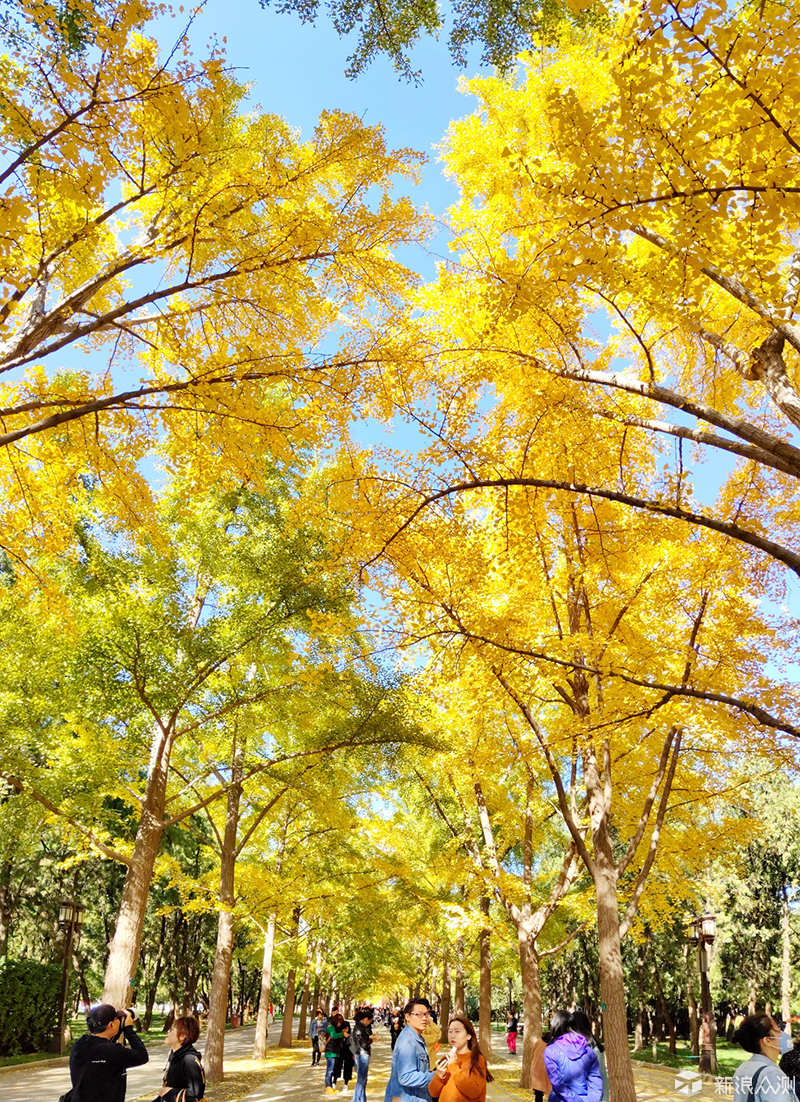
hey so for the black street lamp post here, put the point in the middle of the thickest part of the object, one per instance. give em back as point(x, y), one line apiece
point(701, 933)
point(70, 919)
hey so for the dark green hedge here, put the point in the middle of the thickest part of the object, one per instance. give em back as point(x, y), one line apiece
point(28, 1005)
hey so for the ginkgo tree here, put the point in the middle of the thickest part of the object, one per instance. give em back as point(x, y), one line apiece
point(169, 642)
point(171, 264)
point(642, 178)
point(607, 638)
point(496, 808)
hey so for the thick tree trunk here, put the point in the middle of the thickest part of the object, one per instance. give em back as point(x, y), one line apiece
point(531, 1003)
point(315, 996)
point(459, 992)
point(612, 981)
point(260, 1043)
point(444, 1016)
point(485, 1006)
point(301, 1028)
point(285, 1039)
point(220, 977)
point(124, 951)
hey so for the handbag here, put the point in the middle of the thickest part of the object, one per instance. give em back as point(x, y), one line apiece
point(68, 1096)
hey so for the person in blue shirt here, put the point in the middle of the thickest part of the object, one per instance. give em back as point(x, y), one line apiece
point(758, 1079)
point(410, 1065)
point(317, 1032)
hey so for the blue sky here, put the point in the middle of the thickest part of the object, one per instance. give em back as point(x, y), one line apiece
point(297, 71)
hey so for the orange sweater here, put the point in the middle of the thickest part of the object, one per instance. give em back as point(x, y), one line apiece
point(461, 1085)
point(540, 1081)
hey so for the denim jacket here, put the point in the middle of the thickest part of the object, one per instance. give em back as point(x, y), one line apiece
point(317, 1027)
point(410, 1068)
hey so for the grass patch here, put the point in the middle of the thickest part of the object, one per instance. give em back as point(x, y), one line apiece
point(27, 1058)
point(244, 1076)
point(729, 1056)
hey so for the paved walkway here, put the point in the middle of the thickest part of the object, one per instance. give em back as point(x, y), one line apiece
point(302, 1083)
point(44, 1083)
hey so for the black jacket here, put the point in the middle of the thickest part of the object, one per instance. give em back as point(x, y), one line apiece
point(106, 1065)
point(184, 1073)
point(361, 1039)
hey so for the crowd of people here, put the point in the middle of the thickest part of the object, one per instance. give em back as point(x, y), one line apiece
point(568, 1062)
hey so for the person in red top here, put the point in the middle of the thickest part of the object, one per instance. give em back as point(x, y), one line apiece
point(461, 1075)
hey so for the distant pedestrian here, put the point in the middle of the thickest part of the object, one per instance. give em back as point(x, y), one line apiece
point(361, 1045)
point(316, 1032)
point(572, 1066)
point(511, 1032)
point(461, 1074)
point(184, 1078)
point(432, 1036)
point(98, 1061)
point(758, 1079)
point(411, 1071)
point(396, 1025)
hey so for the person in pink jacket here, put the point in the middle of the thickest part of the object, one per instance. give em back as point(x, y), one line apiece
point(572, 1065)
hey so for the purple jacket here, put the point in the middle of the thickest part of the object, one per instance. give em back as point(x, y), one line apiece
point(573, 1069)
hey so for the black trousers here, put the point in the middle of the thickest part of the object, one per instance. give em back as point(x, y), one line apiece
point(315, 1055)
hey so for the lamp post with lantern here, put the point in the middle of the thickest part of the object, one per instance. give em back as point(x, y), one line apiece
point(70, 919)
point(701, 934)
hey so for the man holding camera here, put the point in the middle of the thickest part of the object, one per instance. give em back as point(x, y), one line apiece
point(99, 1061)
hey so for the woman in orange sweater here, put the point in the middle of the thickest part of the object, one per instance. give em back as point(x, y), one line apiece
point(461, 1075)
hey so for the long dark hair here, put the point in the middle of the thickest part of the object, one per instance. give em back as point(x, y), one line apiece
point(579, 1021)
point(560, 1023)
point(474, 1048)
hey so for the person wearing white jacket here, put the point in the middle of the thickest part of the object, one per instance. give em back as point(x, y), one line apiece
point(759, 1079)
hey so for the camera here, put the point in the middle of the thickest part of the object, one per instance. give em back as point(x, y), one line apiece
point(135, 1019)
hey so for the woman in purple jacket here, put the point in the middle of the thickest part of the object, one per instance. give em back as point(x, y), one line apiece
point(571, 1064)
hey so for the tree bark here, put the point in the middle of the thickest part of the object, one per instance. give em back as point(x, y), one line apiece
point(485, 1006)
point(444, 1016)
point(215, 1030)
point(612, 980)
point(459, 992)
point(285, 1039)
point(124, 950)
point(531, 1003)
point(301, 1028)
point(262, 1029)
